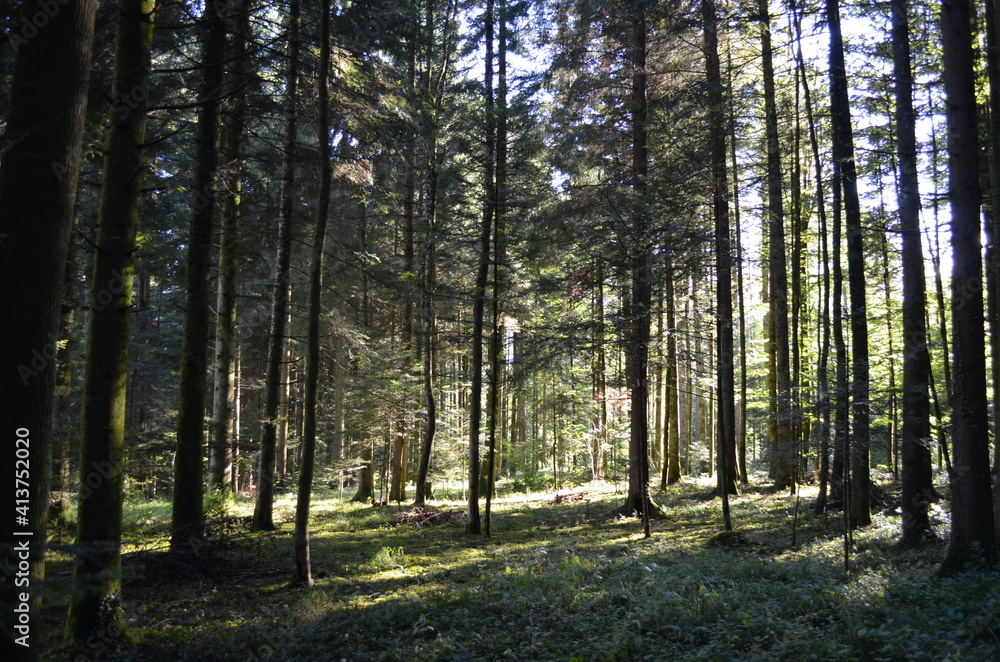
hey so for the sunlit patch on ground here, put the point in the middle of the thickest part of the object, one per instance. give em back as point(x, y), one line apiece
point(567, 581)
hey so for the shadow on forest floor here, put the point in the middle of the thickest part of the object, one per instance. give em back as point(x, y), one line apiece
point(555, 582)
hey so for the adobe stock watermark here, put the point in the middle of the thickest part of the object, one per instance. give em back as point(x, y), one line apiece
point(21, 529)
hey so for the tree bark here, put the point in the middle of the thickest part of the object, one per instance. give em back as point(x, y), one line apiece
point(672, 463)
point(639, 316)
point(972, 526)
point(726, 374)
point(220, 461)
point(482, 275)
point(95, 609)
point(916, 473)
point(263, 518)
point(188, 515)
point(496, 363)
point(843, 154)
point(38, 184)
point(302, 573)
point(783, 451)
point(992, 206)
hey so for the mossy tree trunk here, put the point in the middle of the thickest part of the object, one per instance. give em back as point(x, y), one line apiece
point(95, 606)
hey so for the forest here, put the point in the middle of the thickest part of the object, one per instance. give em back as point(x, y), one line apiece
point(500, 329)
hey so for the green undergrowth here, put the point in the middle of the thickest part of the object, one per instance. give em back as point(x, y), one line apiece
point(570, 581)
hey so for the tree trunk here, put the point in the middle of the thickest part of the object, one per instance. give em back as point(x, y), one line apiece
point(726, 374)
point(428, 326)
point(220, 461)
point(638, 319)
point(891, 460)
point(992, 205)
point(427, 329)
point(782, 461)
point(841, 403)
point(401, 443)
point(672, 464)
point(482, 274)
point(282, 466)
point(972, 527)
point(741, 429)
point(302, 573)
point(64, 430)
point(263, 519)
point(843, 154)
point(600, 454)
point(95, 609)
point(38, 184)
point(495, 396)
point(188, 515)
point(916, 474)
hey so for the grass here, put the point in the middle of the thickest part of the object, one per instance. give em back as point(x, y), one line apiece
point(556, 582)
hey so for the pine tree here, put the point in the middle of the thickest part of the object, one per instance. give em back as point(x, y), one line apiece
point(188, 510)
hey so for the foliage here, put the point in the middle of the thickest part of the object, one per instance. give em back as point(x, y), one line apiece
point(566, 581)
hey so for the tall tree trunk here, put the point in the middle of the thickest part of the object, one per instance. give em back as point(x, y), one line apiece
point(428, 327)
point(282, 465)
point(916, 474)
point(482, 274)
point(600, 458)
point(992, 204)
point(741, 429)
point(38, 184)
point(401, 445)
point(336, 448)
point(63, 428)
point(841, 400)
point(495, 395)
point(822, 364)
point(237, 404)
point(672, 463)
point(891, 447)
point(972, 527)
point(782, 462)
point(302, 573)
point(843, 154)
point(639, 317)
point(96, 608)
point(220, 462)
point(188, 515)
point(728, 477)
point(263, 518)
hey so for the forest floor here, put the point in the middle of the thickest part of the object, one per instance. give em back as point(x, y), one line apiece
point(565, 581)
